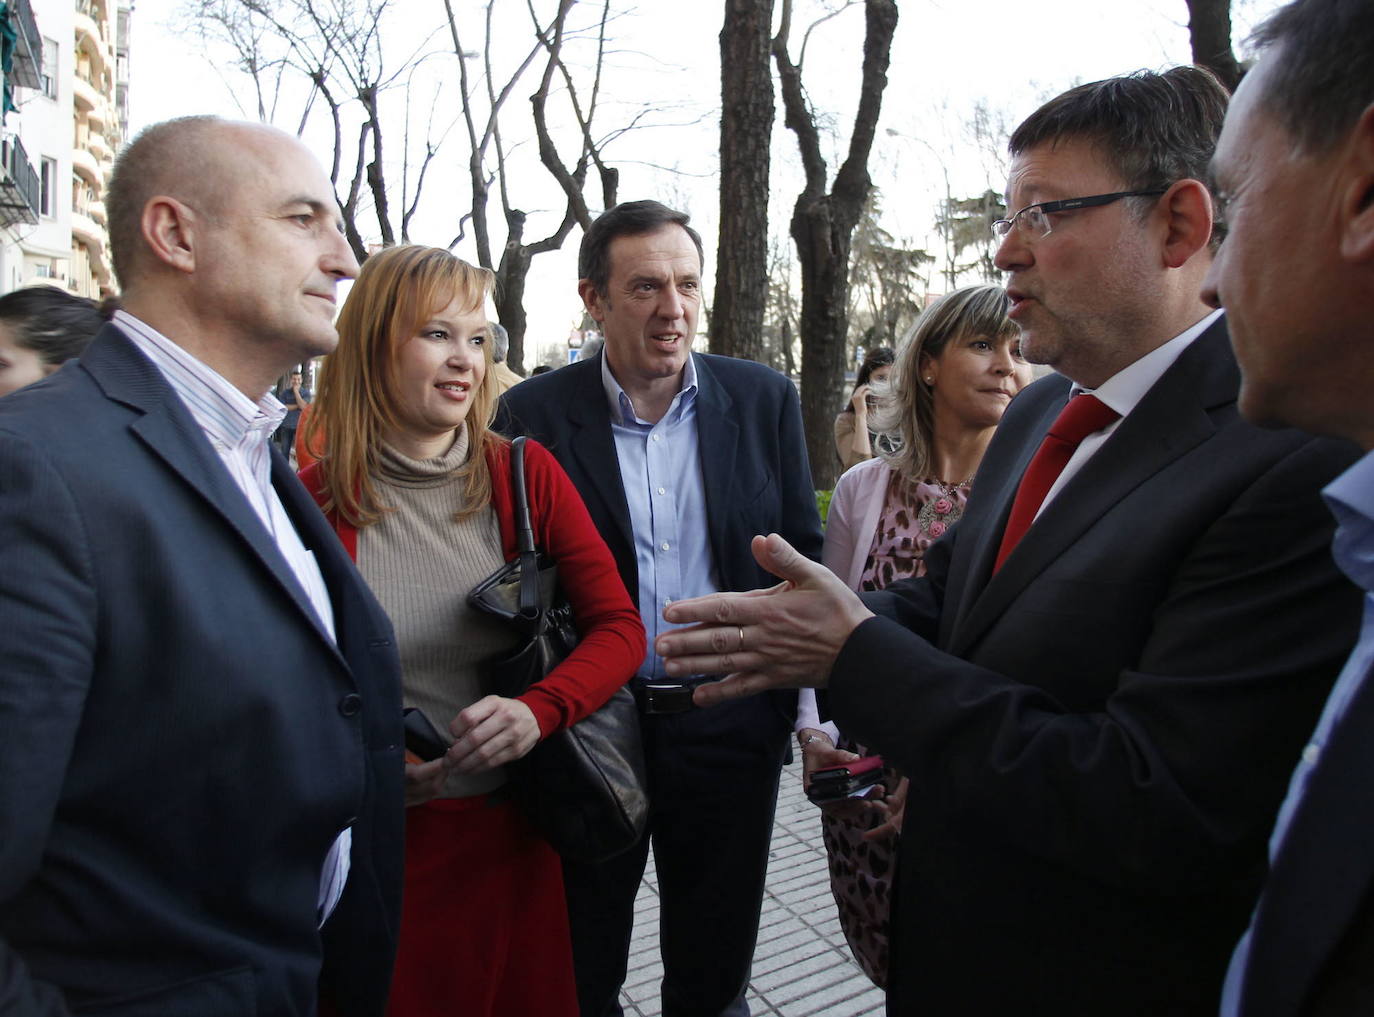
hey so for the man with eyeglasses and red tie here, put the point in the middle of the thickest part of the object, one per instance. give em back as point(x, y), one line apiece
point(1100, 685)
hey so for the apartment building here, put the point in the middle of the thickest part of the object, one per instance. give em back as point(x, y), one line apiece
point(65, 86)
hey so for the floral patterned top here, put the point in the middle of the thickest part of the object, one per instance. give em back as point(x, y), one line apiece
point(913, 516)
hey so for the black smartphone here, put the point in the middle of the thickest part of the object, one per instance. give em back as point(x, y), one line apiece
point(421, 738)
point(837, 783)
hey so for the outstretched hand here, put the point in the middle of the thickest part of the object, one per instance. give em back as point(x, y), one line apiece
point(783, 637)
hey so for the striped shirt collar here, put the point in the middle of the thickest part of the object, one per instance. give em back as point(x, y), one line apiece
point(223, 412)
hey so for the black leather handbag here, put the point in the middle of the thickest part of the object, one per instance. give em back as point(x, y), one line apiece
point(582, 788)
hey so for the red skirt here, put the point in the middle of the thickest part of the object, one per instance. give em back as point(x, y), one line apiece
point(484, 924)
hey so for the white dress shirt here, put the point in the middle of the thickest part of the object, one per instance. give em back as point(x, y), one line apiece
point(1123, 392)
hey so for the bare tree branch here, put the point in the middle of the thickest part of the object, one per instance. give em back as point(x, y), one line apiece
point(823, 224)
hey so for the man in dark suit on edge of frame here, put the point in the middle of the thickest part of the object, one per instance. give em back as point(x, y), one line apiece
point(1099, 688)
point(1295, 172)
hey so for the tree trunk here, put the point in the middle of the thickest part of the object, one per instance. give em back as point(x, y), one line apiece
point(823, 251)
point(823, 226)
point(510, 303)
point(746, 125)
point(1209, 30)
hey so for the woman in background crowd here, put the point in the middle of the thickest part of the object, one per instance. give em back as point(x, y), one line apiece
point(853, 438)
point(418, 487)
point(41, 328)
point(951, 381)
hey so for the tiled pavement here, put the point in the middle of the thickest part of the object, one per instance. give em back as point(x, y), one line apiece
point(802, 965)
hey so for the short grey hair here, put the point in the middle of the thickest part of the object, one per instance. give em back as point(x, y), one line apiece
point(1322, 80)
point(500, 341)
point(174, 157)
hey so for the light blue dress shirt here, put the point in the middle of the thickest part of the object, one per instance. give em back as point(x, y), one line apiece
point(660, 469)
point(1351, 497)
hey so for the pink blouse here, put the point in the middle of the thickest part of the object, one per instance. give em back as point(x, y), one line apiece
point(913, 516)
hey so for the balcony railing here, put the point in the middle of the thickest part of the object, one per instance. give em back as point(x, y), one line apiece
point(19, 190)
point(26, 66)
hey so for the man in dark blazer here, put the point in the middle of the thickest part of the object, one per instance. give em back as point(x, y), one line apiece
point(1296, 161)
point(680, 458)
point(200, 768)
point(1097, 720)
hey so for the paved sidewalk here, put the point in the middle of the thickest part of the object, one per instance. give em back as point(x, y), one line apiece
point(802, 965)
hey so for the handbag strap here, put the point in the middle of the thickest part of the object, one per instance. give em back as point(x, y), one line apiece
point(529, 605)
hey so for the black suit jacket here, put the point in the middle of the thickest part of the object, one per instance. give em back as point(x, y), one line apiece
point(753, 462)
point(180, 741)
point(1312, 947)
point(1099, 735)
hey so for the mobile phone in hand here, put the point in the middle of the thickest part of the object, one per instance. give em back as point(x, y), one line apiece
point(836, 783)
point(421, 738)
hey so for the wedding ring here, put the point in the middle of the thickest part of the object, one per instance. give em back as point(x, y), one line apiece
point(741, 640)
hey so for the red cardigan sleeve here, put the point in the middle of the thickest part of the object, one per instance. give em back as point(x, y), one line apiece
point(612, 641)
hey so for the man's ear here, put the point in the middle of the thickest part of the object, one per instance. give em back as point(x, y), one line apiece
point(1187, 211)
point(1357, 196)
point(593, 301)
point(169, 231)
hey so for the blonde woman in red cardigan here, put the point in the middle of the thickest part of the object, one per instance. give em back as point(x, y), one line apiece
point(418, 488)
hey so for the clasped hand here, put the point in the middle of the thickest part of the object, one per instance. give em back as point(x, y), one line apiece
point(784, 637)
point(489, 733)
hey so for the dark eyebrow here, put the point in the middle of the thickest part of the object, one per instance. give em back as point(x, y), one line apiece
point(314, 204)
point(659, 278)
point(322, 209)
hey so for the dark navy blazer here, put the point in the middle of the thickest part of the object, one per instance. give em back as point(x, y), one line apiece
point(180, 741)
point(753, 462)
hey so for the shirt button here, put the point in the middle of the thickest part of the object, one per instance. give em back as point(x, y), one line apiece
point(1311, 754)
point(350, 704)
point(662, 490)
point(658, 437)
point(664, 545)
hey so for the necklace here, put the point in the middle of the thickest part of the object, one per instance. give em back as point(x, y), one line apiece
point(937, 515)
point(948, 489)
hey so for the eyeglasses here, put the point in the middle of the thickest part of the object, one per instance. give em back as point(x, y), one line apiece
point(1035, 219)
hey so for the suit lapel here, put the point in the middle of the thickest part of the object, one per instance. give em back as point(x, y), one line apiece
point(319, 539)
point(592, 447)
point(718, 444)
point(973, 564)
point(1324, 870)
point(1169, 421)
point(169, 431)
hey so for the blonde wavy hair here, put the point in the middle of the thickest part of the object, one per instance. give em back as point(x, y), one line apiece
point(397, 291)
point(905, 412)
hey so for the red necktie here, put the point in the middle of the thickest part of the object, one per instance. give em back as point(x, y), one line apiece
point(1081, 416)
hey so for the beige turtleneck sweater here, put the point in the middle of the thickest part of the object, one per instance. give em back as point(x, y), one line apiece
point(421, 563)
